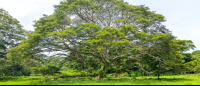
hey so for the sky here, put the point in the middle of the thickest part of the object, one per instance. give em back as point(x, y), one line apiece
point(183, 16)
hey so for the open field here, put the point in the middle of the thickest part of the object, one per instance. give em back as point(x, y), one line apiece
point(165, 80)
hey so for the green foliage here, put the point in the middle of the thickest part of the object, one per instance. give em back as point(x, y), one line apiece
point(100, 72)
point(11, 32)
point(193, 66)
point(112, 70)
point(187, 57)
point(46, 70)
point(197, 52)
point(192, 62)
point(15, 70)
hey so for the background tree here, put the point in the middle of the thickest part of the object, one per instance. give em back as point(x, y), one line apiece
point(16, 70)
point(192, 62)
point(11, 33)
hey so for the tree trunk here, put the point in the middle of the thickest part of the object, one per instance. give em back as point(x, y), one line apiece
point(158, 75)
point(99, 78)
point(159, 71)
point(115, 76)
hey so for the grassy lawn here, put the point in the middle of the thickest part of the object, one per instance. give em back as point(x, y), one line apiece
point(165, 80)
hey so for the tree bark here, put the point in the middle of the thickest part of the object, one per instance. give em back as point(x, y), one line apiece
point(99, 78)
point(158, 75)
point(159, 71)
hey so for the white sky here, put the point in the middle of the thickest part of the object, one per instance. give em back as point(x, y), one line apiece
point(182, 15)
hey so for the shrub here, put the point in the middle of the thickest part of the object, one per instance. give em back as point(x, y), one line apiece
point(123, 75)
point(46, 70)
point(26, 72)
point(15, 70)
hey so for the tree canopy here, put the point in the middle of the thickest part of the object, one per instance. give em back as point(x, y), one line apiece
point(105, 36)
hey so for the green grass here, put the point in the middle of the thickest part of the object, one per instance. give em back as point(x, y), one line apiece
point(165, 80)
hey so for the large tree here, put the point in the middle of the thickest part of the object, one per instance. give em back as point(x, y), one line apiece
point(109, 34)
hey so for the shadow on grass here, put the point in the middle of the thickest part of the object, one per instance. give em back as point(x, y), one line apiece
point(4, 79)
point(18, 79)
point(175, 79)
point(153, 79)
